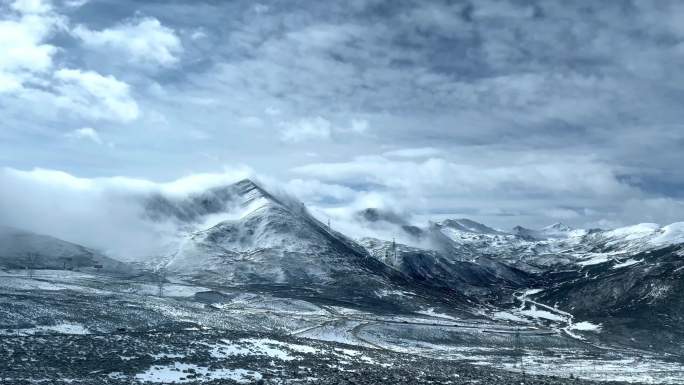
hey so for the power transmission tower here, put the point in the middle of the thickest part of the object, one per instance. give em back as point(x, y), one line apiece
point(394, 250)
point(161, 276)
point(31, 260)
point(519, 353)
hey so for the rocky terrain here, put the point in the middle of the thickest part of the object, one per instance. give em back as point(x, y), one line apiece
point(226, 357)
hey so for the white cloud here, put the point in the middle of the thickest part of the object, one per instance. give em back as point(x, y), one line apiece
point(318, 128)
point(312, 190)
point(87, 133)
point(359, 126)
point(561, 213)
point(198, 34)
point(32, 6)
point(23, 43)
point(324, 36)
point(106, 213)
point(577, 175)
point(307, 129)
point(521, 189)
point(143, 41)
point(76, 3)
point(421, 152)
point(252, 121)
point(95, 96)
point(27, 69)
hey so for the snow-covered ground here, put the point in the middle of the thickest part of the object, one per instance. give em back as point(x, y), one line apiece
point(648, 370)
point(260, 346)
point(429, 333)
point(181, 373)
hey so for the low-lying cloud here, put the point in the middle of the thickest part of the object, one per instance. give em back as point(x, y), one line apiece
point(104, 213)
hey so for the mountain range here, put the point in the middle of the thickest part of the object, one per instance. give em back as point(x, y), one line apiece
point(627, 280)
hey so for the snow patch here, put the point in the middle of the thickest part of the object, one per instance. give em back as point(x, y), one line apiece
point(261, 347)
point(536, 313)
point(64, 328)
point(596, 259)
point(398, 293)
point(626, 263)
point(431, 312)
point(506, 316)
point(585, 326)
point(180, 373)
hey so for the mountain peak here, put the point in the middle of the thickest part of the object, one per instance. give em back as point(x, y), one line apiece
point(196, 207)
point(467, 225)
point(524, 232)
point(558, 226)
point(247, 184)
point(250, 191)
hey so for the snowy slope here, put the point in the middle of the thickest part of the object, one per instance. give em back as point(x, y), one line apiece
point(637, 238)
point(560, 245)
point(276, 242)
point(482, 276)
point(20, 249)
point(553, 247)
point(555, 231)
point(638, 298)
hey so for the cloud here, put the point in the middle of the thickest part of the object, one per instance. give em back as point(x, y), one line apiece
point(75, 3)
point(530, 190)
point(314, 191)
point(87, 133)
point(578, 176)
point(30, 72)
point(141, 41)
point(319, 129)
point(421, 152)
point(359, 126)
point(95, 96)
point(23, 43)
point(106, 213)
point(32, 6)
point(537, 107)
point(316, 128)
point(561, 213)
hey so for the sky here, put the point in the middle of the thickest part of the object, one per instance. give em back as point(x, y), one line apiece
point(506, 112)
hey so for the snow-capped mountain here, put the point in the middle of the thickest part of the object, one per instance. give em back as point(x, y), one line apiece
point(464, 225)
point(276, 242)
point(555, 231)
point(536, 250)
point(242, 237)
point(637, 238)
